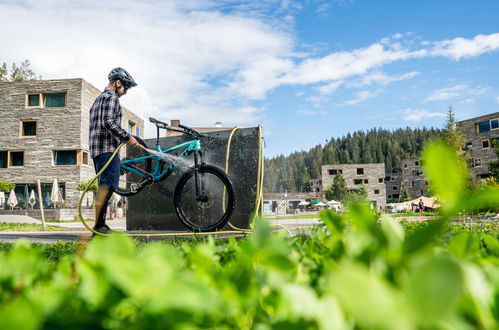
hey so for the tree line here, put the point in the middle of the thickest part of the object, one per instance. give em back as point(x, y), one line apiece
point(292, 173)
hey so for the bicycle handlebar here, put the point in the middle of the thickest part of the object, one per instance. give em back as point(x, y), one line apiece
point(182, 129)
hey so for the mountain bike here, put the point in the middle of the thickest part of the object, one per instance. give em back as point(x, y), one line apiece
point(203, 196)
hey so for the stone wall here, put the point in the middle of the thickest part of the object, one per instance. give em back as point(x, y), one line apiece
point(58, 128)
point(476, 138)
point(413, 178)
point(373, 179)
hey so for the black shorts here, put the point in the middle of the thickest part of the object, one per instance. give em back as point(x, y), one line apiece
point(111, 175)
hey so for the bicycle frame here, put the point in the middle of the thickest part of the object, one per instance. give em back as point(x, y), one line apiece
point(193, 146)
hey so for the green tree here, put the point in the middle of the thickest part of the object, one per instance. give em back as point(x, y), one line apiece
point(83, 185)
point(338, 189)
point(494, 166)
point(6, 186)
point(20, 72)
point(452, 134)
point(405, 196)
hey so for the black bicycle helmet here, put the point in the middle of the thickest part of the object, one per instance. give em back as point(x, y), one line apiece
point(122, 75)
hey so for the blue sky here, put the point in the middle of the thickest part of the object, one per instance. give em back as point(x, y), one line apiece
point(305, 70)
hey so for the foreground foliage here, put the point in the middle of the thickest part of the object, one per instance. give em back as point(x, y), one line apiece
point(355, 271)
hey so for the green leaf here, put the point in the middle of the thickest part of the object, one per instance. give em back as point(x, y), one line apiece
point(434, 288)
point(464, 245)
point(422, 238)
point(446, 172)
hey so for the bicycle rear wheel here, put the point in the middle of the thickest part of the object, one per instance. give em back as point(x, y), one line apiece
point(212, 207)
point(129, 181)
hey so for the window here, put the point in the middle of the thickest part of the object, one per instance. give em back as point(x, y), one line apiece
point(55, 100)
point(485, 144)
point(65, 157)
point(33, 100)
point(16, 158)
point(416, 163)
point(477, 162)
point(395, 188)
point(494, 124)
point(484, 126)
point(393, 178)
point(416, 184)
point(395, 196)
point(132, 128)
point(46, 100)
point(333, 172)
point(405, 165)
point(380, 180)
point(357, 181)
point(137, 131)
point(4, 155)
point(360, 171)
point(28, 128)
point(387, 178)
point(84, 158)
point(468, 146)
point(366, 181)
point(376, 191)
point(389, 196)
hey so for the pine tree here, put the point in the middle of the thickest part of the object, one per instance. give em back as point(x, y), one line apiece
point(18, 73)
point(338, 189)
point(405, 196)
point(453, 134)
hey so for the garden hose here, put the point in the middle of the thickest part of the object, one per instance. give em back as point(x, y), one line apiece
point(259, 195)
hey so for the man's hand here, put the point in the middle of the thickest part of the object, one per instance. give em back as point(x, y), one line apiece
point(133, 141)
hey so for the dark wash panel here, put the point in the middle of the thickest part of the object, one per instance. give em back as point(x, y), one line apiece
point(152, 208)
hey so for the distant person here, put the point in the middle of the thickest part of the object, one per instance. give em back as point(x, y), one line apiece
point(421, 207)
point(105, 134)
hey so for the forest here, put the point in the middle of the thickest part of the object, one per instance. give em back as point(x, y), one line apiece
point(292, 173)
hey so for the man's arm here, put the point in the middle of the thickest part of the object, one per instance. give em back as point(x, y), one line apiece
point(110, 107)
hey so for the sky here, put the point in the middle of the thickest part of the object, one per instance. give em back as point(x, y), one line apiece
point(307, 71)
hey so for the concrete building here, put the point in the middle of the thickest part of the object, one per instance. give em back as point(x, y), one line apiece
point(481, 133)
point(316, 186)
point(44, 127)
point(371, 176)
point(392, 185)
point(413, 178)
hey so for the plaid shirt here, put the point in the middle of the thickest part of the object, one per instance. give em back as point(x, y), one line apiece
point(105, 124)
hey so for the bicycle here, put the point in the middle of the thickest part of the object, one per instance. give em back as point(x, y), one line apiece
point(203, 196)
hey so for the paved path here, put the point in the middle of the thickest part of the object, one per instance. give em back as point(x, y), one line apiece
point(76, 231)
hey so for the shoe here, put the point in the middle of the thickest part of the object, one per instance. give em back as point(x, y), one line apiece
point(104, 230)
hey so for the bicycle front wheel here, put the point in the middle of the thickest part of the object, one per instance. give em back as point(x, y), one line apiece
point(209, 207)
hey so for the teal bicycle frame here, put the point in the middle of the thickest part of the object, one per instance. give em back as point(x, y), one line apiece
point(158, 173)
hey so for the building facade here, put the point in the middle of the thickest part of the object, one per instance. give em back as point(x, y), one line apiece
point(481, 133)
point(413, 178)
point(371, 176)
point(44, 127)
point(393, 182)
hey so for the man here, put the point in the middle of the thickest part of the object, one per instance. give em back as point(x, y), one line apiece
point(105, 134)
point(421, 207)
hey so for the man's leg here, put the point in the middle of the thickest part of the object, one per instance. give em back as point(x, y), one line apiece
point(108, 181)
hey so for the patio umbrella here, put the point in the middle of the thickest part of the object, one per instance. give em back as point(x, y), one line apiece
point(32, 198)
point(12, 201)
point(55, 194)
point(319, 204)
point(26, 193)
point(303, 203)
point(2, 197)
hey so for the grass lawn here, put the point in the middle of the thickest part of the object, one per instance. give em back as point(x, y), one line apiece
point(5, 226)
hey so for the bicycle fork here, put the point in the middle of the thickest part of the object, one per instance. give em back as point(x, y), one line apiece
point(199, 178)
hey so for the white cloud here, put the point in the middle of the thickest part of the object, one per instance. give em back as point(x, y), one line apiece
point(417, 115)
point(380, 78)
point(457, 92)
point(464, 48)
point(360, 97)
point(446, 93)
point(497, 99)
point(310, 112)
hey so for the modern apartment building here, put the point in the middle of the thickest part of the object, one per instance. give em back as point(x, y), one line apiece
point(44, 127)
point(413, 178)
point(371, 176)
point(481, 133)
point(392, 185)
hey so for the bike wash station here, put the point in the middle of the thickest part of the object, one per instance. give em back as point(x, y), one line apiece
point(236, 151)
